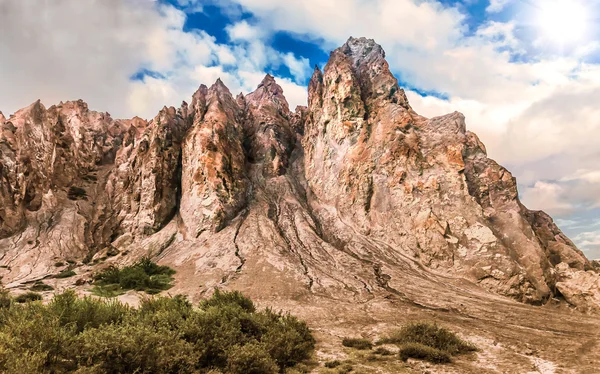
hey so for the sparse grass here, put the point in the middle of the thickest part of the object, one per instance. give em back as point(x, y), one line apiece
point(357, 343)
point(28, 297)
point(144, 275)
point(423, 352)
point(431, 335)
point(40, 286)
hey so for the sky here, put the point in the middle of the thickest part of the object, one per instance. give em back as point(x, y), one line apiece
point(526, 73)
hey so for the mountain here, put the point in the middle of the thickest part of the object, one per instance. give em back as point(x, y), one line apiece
point(355, 200)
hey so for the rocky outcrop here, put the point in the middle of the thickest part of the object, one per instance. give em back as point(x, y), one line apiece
point(353, 195)
point(214, 183)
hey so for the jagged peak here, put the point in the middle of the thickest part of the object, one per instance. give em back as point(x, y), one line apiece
point(267, 80)
point(270, 85)
point(74, 104)
point(2, 118)
point(33, 108)
point(219, 86)
point(201, 91)
point(268, 91)
point(220, 91)
point(362, 49)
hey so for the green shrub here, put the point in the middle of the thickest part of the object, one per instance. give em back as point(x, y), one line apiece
point(228, 298)
point(357, 343)
point(40, 286)
point(162, 335)
point(67, 273)
point(133, 348)
point(383, 351)
point(430, 335)
point(144, 275)
point(423, 352)
point(59, 264)
point(83, 313)
point(333, 364)
point(5, 299)
point(28, 297)
point(250, 358)
point(288, 340)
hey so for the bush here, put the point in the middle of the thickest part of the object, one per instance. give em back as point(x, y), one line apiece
point(40, 286)
point(357, 343)
point(333, 364)
point(67, 273)
point(163, 335)
point(423, 352)
point(430, 335)
point(144, 275)
point(251, 358)
point(228, 298)
point(383, 351)
point(28, 297)
point(5, 299)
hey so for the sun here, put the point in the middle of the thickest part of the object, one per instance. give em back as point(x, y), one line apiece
point(563, 21)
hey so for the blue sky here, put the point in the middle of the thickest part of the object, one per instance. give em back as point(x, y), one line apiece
point(526, 73)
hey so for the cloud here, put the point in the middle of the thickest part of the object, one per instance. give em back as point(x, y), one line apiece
point(299, 67)
point(589, 242)
point(71, 49)
point(547, 196)
point(244, 31)
point(497, 5)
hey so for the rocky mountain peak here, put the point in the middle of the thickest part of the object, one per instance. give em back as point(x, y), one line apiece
point(352, 197)
point(362, 50)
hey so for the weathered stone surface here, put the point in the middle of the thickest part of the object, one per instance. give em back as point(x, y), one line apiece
point(350, 198)
point(214, 183)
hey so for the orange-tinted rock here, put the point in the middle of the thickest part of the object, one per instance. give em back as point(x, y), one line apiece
point(353, 195)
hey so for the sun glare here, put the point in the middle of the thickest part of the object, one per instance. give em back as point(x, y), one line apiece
point(563, 21)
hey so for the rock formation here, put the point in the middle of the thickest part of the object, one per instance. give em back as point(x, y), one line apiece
point(353, 195)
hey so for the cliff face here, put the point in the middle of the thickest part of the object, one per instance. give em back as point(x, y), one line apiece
point(354, 195)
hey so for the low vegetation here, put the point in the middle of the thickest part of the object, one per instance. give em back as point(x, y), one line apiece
point(40, 286)
point(163, 335)
point(333, 364)
point(357, 343)
point(383, 351)
point(427, 341)
point(423, 352)
point(67, 273)
point(28, 297)
point(144, 275)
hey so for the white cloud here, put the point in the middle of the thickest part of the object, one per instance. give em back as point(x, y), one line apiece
point(299, 67)
point(589, 242)
point(71, 49)
point(244, 31)
point(497, 5)
point(547, 196)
